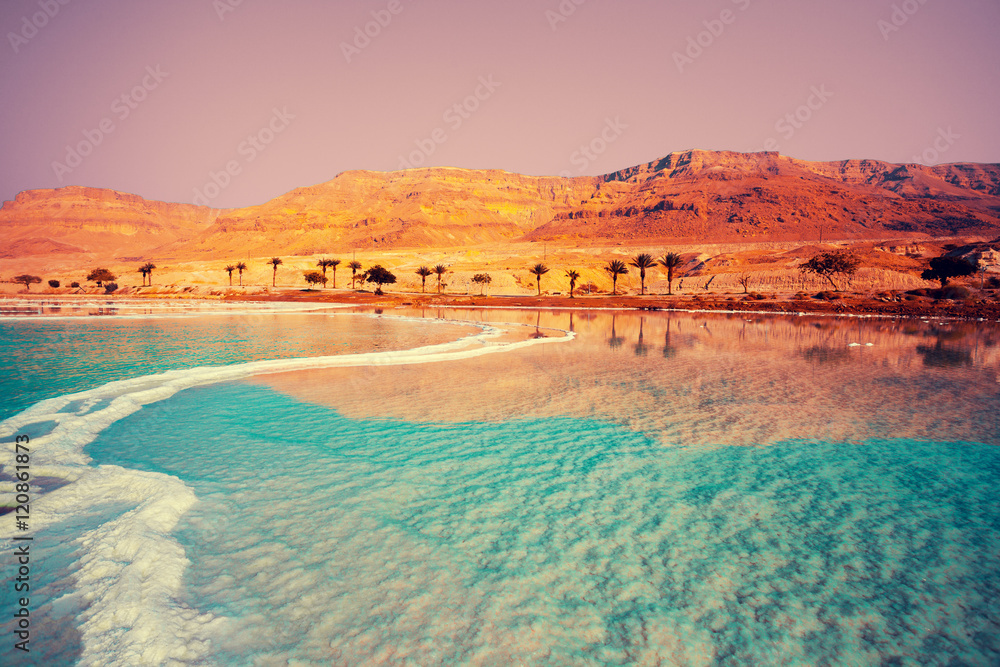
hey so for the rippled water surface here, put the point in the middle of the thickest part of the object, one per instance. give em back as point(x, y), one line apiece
point(661, 489)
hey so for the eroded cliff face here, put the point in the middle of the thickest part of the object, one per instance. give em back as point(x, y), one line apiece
point(94, 221)
point(724, 196)
point(413, 208)
point(692, 195)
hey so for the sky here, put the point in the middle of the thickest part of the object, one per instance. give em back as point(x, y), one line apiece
point(231, 103)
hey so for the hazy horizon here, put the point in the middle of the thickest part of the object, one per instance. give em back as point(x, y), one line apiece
point(240, 102)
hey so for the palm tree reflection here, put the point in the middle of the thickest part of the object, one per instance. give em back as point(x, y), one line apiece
point(668, 349)
point(641, 349)
point(614, 342)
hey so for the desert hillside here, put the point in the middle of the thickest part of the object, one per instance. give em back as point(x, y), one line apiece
point(686, 197)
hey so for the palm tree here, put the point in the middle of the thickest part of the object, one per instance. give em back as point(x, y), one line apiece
point(229, 269)
point(275, 262)
point(142, 270)
point(423, 272)
point(147, 271)
point(616, 268)
point(670, 261)
point(440, 270)
point(327, 263)
point(573, 277)
point(643, 261)
point(241, 267)
point(539, 270)
point(355, 265)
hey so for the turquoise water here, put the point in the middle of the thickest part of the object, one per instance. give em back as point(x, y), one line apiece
point(586, 502)
point(50, 357)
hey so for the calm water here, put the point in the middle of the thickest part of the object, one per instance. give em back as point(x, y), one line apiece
point(659, 489)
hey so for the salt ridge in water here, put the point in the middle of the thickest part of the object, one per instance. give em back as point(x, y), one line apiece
point(131, 568)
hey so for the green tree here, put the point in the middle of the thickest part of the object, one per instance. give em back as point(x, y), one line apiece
point(380, 276)
point(314, 278)
point(423, 272)
point(328, 264)
point(100, 276)
point(539, 270)
point(355, 267)
point(830, 264)
point(643, 261)
point(229, 269)
point(671, 261)
point(440, 270)
point(573, 277)
point(483, 280)
point(616, 268)
point(944, 269)
point(275, 262)
point(27, 280)
point(241, 267)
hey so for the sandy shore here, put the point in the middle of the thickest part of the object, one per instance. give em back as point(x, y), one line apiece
point(983, 305)
point(888, 305)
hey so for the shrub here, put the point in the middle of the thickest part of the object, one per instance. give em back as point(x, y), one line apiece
point(110, 287)
point(53, 283)
point(956, 292)
point(74, 284)
point(945, 268)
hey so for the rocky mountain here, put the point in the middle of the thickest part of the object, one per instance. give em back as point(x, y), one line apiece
point(687, 196)
point(94, 221)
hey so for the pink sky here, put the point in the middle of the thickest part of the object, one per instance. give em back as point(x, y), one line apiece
point(153, 98)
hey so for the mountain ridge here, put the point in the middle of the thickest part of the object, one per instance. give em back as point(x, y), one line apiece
point(712, 196)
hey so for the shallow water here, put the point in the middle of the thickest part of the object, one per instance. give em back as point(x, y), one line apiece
point(664, 488)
